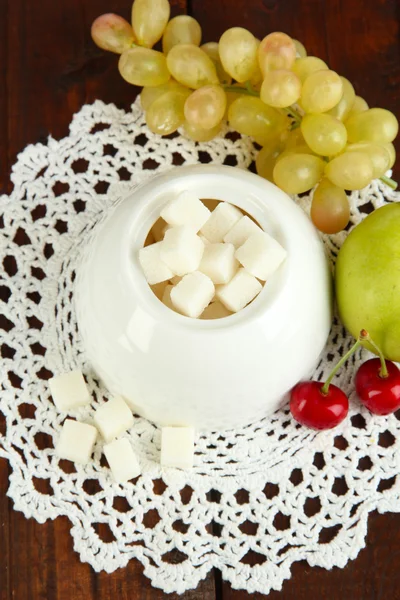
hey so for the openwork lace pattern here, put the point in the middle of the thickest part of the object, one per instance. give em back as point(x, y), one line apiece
point(259, 498)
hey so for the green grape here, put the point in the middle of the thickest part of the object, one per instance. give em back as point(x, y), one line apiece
point(301, 149)
point(324, 134)
point(276, 51)
point(392, 154)
point(321, 91)
point(166, 113)
point(250, 116)
point(295, 138)
point(205, 107)
point(149, 94)
point(230, 98)
point(238, 53)
point(266, 159)
point(350, 170)
point(257, 76)
point(330, 210)
point(191, 66)
point(378, 153)
point(144, 67)
point(280, 88)
point(272, 136)
point(373, 125)
point(303, 67)
point(301, 52)
point(298, 173)
point(111, 32)
point(200, 135)
point(359, 105)
point(212, 50)
point(181, 30)
point(149, 19)
point(342, 109)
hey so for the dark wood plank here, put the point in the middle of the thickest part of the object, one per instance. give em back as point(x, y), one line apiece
point(5, 511)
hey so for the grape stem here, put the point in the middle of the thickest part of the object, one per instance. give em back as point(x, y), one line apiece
point(292, 112)
point(247, 91)
point(364, 336)
point(390, 182)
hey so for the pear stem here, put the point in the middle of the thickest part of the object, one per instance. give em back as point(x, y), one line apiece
point(383, 372)
point(390, 182)
point(361, 338)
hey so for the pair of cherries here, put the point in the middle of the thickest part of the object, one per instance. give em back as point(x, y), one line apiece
point(323, 405)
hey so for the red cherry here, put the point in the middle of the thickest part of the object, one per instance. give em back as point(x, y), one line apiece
point(310, 407)
point(381, 395)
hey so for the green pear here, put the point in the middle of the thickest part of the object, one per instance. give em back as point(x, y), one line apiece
point(367, 279)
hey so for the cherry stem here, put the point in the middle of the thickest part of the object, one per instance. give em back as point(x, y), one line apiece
point(383, 372)
point(390, 182)
point(361, 338)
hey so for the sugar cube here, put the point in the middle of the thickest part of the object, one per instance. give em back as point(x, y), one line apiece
point(159, 228)
point(181, 250)
point(241, 290)
point(204, 239)
point(177, 447)
point(113, 418)
point(122, 460)
point(221, 220)
point(261, 255)
point(193, 294)
point(241, 232)
point(186, 209)
point(69, 391)
point(166, 299)
point(76, 441)
point(215, 310)
point(154, 269)
point(219, 262)
point(159, 288)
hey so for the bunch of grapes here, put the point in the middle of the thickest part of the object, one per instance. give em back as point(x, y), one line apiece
point(313, 129)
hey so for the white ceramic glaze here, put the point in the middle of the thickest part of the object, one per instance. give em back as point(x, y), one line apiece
point(209, 374)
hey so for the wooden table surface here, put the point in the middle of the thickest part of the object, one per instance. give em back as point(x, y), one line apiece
point(49, 68)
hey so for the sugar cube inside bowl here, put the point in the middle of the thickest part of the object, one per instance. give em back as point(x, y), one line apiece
point(240, 291)
point(203, 244)
point(261, 255)
point(154, 268)
point(186, 209)
point(219, 262)
point(221, 220)
point(181, 250)
point(191, 296)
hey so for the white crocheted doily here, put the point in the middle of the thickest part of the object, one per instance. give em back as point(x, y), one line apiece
point(258, 498)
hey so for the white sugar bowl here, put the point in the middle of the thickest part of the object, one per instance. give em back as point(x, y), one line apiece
point(214, 374)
